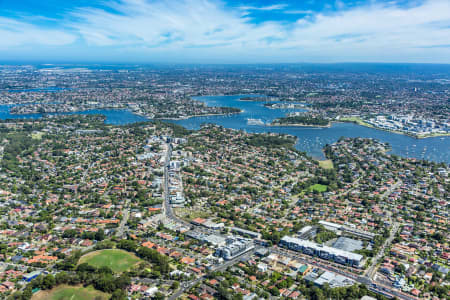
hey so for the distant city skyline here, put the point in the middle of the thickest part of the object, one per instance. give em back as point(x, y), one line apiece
point(213, 31)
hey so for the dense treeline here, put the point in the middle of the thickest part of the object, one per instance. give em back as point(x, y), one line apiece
point(102, 279)
point(177, 130)
point(160, 262)
point(342, 104)
point(302, 120)
point(18, 142)
point(72, 233)
point(269, 141)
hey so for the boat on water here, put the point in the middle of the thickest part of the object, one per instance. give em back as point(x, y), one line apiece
point(255, 122)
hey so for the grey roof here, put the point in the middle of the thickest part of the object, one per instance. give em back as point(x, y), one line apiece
point(347, 244)
point(331, 250)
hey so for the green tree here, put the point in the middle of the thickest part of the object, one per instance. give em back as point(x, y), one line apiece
point(48, 282)
point(100, 235)
point(175, 285)
point(62, 278)
point(118, 294)
point(158, 296)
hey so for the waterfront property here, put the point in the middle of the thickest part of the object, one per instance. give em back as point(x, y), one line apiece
point(312, 140)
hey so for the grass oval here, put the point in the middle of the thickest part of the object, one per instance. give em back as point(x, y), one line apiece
point(67, 292)
point(118, 260)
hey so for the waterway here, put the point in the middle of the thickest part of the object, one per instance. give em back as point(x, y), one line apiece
point(310, 139)
point(113, 116)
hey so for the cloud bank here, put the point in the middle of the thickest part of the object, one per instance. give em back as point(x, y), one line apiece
point(211, 30)
point(17, 33)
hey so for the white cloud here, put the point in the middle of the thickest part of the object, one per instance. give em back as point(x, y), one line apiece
point(265, 8)
point(210, 29)
point(16, 33)
point(298, 12)
point(172, 23)
point(376, 29)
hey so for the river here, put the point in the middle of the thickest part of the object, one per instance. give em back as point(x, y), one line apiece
point(311, 140)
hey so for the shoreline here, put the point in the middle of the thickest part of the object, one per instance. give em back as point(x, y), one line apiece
point(357, 121)
point(365, 125)
point(255, 98)
point(122, 108)
point(67, 112)
point(193, 116)
point(299, 125)
point(362, 123)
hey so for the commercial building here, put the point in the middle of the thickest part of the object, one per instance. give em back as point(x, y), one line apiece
point(325, 252)
point(208, 224)
point(244, 232)
point(213, 225)
point(196, 235)
point(234, 247)
point(333, 280)
point(215, 240)
point(348, 230)
point(307, 232)
point(348, 244)
point(304, 269)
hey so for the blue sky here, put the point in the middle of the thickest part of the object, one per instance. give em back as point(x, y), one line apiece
point(219, 31)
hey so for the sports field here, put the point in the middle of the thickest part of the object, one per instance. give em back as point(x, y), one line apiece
point(326, 164)
point(67, 292)
point(318, 187)
point(118, 260)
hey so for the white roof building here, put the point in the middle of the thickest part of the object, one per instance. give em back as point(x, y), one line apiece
point(325, 252)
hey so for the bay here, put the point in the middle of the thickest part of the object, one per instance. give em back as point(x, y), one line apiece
point(312, 140)
point(113, 116)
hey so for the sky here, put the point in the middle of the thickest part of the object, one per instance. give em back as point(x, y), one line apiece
point(225, 31)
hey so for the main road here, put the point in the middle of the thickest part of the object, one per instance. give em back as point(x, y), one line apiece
point(367, 280)
point(167, 208)
point(187, 285)
point(377, 288)
point(372, 269)
point(123, 222)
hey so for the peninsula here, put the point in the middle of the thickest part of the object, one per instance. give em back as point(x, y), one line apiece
point(302, 120)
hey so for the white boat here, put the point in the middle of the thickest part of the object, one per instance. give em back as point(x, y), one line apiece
point(255, 122)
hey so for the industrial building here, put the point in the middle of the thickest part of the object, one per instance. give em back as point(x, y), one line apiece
point(234, 247)
point(325, 252)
